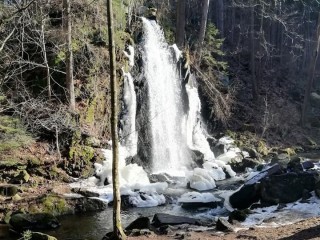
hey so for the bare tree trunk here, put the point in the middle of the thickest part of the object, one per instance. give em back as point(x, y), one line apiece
point(252, 56)
point(117, 227)
point(203, 26)
point(69, 54)
point(181, 22)
point(45, 59)
point(220, 16)
point(312, 68)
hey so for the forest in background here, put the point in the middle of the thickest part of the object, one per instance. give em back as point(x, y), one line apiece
point(255, 61)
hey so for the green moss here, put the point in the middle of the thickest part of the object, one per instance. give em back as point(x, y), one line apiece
point(60, 57)
point(91, 111)
point(231, 134)
point(54, 205)
point(13, 134)
point(262, 148)
point(80, 152)
point(289, 151)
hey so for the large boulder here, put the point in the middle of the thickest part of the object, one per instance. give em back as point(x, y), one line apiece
point(249, 193)
point(288, 187)
point(89, 205)
point(161, 219)
point(282, 159)
point(245, 163)
point(39, 221)
point(139, 223)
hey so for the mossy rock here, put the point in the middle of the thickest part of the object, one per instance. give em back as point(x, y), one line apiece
point(55, 205)
point(289, 151)
point(22, 177)
point(7, 217)
point(9, 164)
point(33, 161)
point(92, 142)
point(239, 215)
point(21, 222)
point(262, 148)
point(81, 152)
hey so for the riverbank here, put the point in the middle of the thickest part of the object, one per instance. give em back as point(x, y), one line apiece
point(305, 229)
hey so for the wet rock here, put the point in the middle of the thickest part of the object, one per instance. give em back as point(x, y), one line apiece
point(282, 159)
point(239, 215)
point(152, 14)
point(317, 189)
point(197, 157)
point(139, 223)
point(246, 196)
point(39, 221)
point(195, 205)
point(249, 193)
point(288, 187)
point(8, 190)
point(295, 165)
point(161, 219)
point(307, 165)
point(252, 152)
point(85, 192)
point(89, 205)
point(224, 225)
point(245, 163)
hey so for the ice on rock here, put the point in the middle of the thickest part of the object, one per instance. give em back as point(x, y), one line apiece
point(147, 200)
point(177, 52)
point(201, 179)
point(130, 55)
point(198, 197)
point(216, 171)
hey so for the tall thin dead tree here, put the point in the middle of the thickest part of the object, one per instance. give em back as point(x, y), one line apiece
point(203, 25)
point(181, 22)
point(117, 227)
point(69, 53)
point(252, 55)
point(312, 68)
point(44, 52)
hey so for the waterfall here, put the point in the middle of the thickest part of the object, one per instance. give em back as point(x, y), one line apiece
point(129, 133)
point(169, 145)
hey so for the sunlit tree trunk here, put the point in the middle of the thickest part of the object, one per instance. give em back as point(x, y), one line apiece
point(117, 227)
point(69, 54)
point(203, 26)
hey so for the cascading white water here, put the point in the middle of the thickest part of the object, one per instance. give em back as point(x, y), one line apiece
point(129, 133)
point(196, 138)
point(169, 148)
